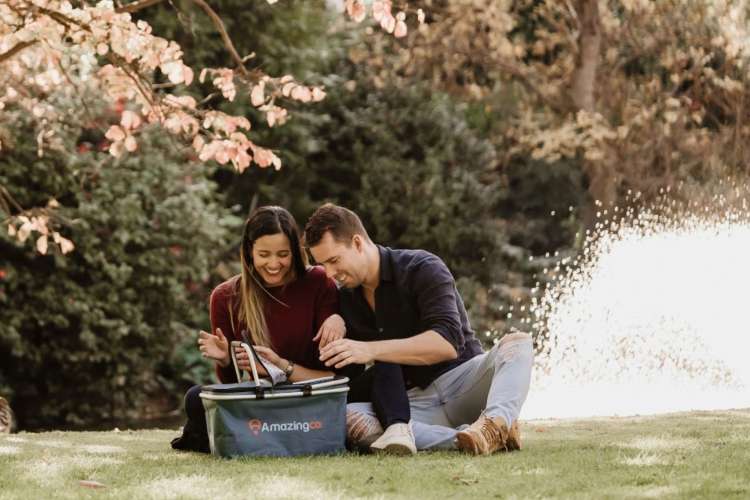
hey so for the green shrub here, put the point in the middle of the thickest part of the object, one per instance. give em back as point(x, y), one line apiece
point(87, 336)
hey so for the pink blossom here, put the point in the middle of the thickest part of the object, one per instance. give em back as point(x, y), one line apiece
point(116, 149)
point(287, 89)
point(318, 94)
point(380, 8)
point(130, 143)
point(129, 120)
point(300, 93)
point(276, 115)
point(400, 30)
point(257, 98)
point(198, 143)
point(115, 133)
point(388, 22)
point(41, 244)
point(356, 10)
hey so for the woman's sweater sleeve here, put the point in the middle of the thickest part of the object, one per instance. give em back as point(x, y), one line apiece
point(220, 311)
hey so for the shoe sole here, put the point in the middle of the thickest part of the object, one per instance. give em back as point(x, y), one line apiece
point(465, 443)
point(394, 449)
point(513, 445)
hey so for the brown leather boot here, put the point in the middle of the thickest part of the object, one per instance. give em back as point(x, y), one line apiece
point(513, 443)
point(484, 437)
point(6, 417)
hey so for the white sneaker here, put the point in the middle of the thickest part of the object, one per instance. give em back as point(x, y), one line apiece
point(398, 439)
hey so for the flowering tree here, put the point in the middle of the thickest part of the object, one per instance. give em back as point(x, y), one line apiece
point(51, 49)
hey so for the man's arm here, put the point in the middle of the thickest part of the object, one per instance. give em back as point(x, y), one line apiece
point(427, 348)
point(433, 288)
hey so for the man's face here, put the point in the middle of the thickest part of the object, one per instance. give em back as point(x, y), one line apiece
point(346, 263)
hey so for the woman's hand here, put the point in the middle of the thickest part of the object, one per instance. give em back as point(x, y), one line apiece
point(333, 328)
point(214, 347)
point(271, 356)
point(243, 362)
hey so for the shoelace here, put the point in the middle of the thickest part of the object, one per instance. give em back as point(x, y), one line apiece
point(492, 433)
point(404, 430)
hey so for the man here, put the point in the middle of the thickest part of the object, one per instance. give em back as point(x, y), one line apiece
point(402, 307)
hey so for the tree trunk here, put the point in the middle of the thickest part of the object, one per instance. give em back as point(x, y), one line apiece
point(601, 176)
point(589, 45)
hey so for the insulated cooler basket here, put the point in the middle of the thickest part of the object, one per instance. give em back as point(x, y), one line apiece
point(259, 418)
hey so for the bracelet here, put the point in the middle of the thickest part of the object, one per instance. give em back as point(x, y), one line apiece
point(289, 369)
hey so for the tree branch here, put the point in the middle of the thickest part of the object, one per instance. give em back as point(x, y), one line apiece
point(136, 6)
point(15, 49)
point(8, 201)
point(215, 18)
point(62, 18)
point(219, 24)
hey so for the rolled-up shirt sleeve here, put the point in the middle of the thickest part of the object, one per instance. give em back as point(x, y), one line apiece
point(435, 290)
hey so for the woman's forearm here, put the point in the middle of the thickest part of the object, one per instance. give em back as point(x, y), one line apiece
point(302, 373)
point(224, 362)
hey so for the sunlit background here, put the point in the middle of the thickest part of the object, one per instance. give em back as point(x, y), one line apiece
point(654, 319)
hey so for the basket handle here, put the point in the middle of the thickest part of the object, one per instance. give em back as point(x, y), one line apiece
point(252, 356)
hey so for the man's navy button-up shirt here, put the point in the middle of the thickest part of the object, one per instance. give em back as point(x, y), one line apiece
point(416, 293)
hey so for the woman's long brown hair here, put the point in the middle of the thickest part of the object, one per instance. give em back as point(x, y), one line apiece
point(264, 221)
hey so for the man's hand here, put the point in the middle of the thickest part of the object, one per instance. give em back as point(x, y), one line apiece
point(343, 352)
point(333, 328)
point(214, 347)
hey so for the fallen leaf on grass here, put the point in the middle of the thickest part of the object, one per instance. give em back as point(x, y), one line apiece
point(465, 481)
point(91, 484)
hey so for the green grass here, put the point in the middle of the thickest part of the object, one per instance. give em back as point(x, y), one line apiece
point(695, 455)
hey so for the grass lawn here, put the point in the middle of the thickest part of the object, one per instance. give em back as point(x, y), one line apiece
point(689, 455)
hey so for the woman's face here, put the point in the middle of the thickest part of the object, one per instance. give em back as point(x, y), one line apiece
point(272, 259)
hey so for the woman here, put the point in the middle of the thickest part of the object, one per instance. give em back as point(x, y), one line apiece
point(285, 308)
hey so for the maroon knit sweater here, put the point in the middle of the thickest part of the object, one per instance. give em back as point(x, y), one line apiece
point(307, 302)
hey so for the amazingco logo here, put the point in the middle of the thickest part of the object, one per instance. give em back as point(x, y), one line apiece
point(257, 426)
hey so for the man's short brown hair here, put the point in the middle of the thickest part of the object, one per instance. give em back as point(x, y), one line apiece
point(341, 222)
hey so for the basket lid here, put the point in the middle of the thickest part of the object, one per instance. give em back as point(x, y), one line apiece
point(251, 387)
